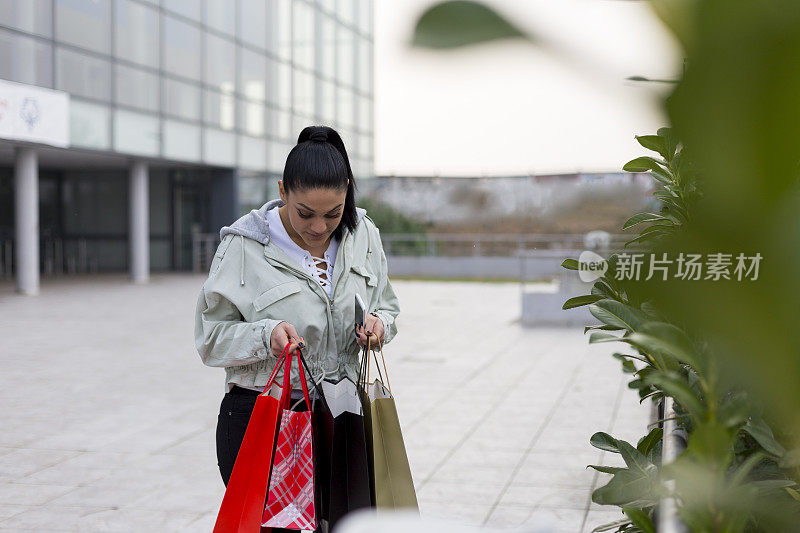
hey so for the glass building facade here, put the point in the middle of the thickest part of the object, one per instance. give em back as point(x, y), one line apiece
point(194, 86)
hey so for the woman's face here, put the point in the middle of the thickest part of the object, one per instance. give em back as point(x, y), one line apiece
point(314, 213)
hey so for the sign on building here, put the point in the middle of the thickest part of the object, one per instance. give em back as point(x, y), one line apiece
point(33, 114)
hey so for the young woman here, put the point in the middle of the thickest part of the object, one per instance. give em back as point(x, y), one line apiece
point(289, 273)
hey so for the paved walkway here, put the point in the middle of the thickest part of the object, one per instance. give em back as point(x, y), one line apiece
point(108, 415)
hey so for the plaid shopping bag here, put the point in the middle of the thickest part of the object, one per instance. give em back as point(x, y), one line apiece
point(290, 503)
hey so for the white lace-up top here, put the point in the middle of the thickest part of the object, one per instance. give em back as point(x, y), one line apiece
point(311, 264)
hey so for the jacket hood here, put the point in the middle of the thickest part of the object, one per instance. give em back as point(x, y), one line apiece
point(254, 224)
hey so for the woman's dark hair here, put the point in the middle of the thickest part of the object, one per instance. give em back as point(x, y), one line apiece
point(319, 160)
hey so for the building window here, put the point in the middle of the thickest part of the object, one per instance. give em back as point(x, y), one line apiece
point(84, 24)
point(303, 36)
point(136, 133)
point(136, 88)
point(345, 49)
point(181, 99)
point(252, 75)
point(220, 109)
point(181, 48)
point(88, 125)
point(83, 75)
point(136, 38)
point(253, 22)
point(365, 66)
point(220, 67)
point(327, 61)
point(187, 8)
point(284, 86)
point(283, 28)
point(327, 113)
point(303, 92)
point(251, 118)
point(31, 16)
point(221, 15)
point(25, 60)
point(181, 141)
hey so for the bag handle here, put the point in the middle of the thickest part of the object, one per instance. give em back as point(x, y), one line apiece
point(365, 364)
point(276, 367)
point(286, 394)
point(316, 383)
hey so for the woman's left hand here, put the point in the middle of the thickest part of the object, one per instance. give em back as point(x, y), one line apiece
point(373, 328)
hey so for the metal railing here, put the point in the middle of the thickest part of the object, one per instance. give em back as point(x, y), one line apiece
point(203, 247)
point(489, 245)
point(448, 245)
point(58, 256)
point(673, 442)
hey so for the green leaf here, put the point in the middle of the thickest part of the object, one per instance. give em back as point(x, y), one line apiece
point(602, 337)
point(642, 238)
point(600, 288)
point(740, 475)
point(641, 164)
point(773, 484)
point(603, 327)
point(604, 441)
point(735, 412)
point(578, 301)
point(670, 142)
point(649, 441)
point(790, 459)
point(625, 488)
point(712, 443)
point(638, 218)
point(635, 459)
point(628, 367)
point(673, 384)
point(640, 519)
point(460, 23)
point(611, 525)
point(606, 469)
point(570, 264)
point(661, 338)
point(762, 434)
point(654, 143)
point(617, 314)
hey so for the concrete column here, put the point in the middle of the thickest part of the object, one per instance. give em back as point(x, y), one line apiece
point(26, 220)
point(138, 223)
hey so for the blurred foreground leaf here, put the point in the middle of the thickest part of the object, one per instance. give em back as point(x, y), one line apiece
point(460, 23)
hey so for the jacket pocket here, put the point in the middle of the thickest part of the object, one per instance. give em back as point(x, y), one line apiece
point(269, 297)
point(363, 270)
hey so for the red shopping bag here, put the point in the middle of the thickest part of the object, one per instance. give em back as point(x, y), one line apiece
point(290, 503)
point(243, 502)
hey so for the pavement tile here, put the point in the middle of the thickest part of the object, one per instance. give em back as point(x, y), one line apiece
point(7, 510)
point(452, 473)
point(21, 494)
point(24, 461)
point(546, 497)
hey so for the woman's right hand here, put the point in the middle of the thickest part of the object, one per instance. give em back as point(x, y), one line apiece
point(283, 334)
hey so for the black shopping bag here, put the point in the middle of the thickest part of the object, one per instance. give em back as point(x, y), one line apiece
point(341, 464)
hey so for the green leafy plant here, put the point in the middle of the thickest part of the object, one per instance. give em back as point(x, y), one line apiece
point(732, 459)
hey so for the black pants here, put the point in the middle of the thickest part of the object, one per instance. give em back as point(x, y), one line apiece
point(234, 414)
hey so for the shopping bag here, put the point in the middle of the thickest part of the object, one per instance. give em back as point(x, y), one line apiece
point(392, 484)
point(290, 503)
point(243, 503)
point(340, 458)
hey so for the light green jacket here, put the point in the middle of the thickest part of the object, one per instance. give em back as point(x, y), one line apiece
point(253, 285)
